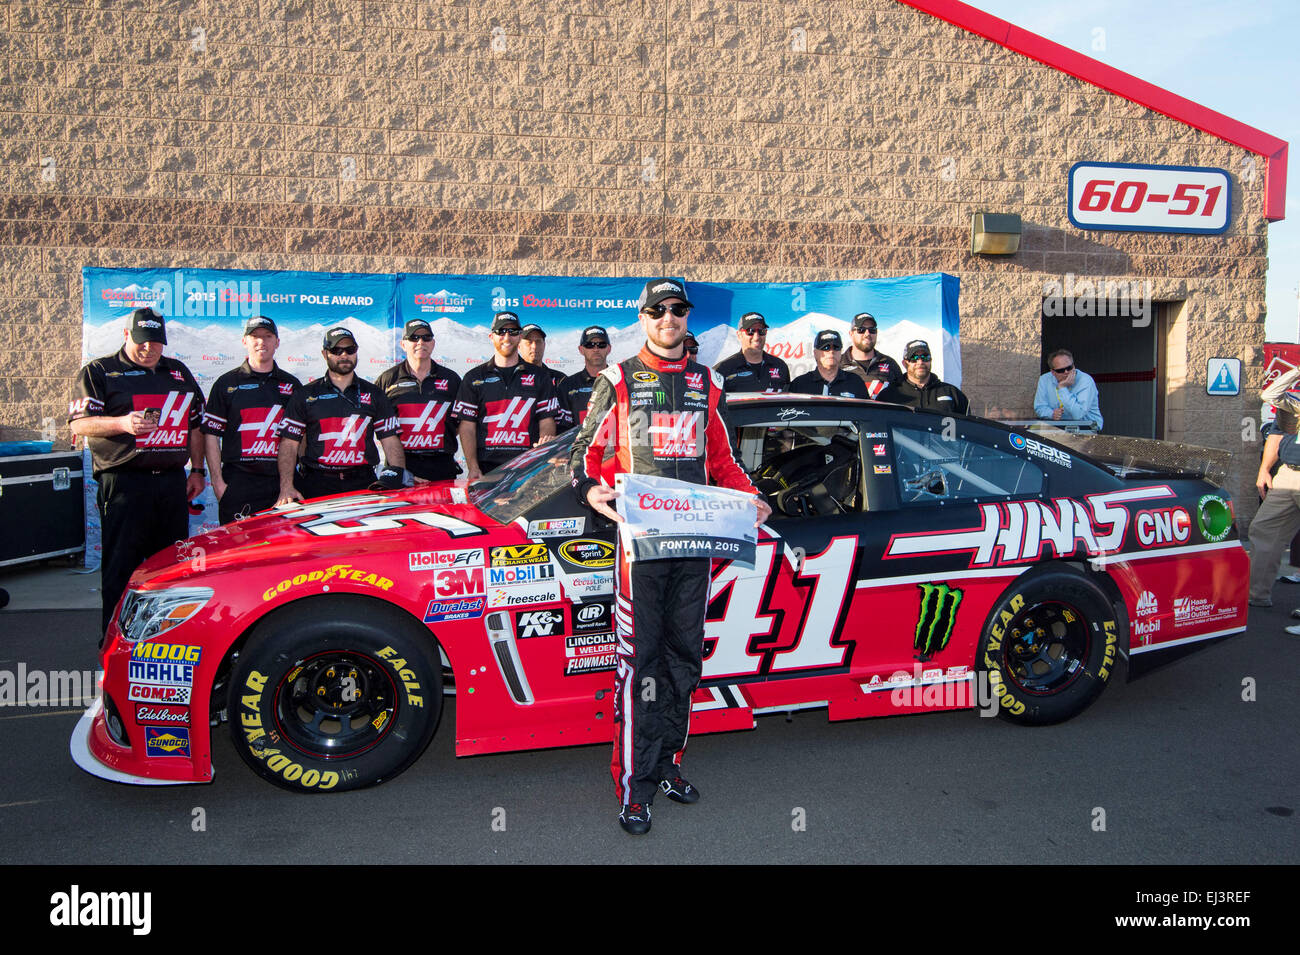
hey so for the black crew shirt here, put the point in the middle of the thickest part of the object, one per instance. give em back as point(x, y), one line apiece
point(339, 428)
point(574, 393)
point(844, 385)
point(770, 376)
point(424, 408)
point(506, 405)
point(245, 411)
point(113, 386)
point(878, 374)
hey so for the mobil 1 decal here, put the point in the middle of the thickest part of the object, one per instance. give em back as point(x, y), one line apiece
point(783, 617)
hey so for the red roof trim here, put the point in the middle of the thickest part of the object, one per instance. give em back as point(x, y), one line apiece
point(1115, 81)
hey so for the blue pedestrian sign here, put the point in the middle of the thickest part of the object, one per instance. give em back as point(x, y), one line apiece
point(1223, 376)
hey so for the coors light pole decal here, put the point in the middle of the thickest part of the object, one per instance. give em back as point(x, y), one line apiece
point(664, 518)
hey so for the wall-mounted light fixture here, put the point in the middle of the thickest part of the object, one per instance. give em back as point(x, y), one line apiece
point(994, 233)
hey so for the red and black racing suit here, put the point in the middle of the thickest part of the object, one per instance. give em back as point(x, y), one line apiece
point(663, 418)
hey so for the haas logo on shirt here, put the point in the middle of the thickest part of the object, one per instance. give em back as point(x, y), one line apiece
point(259, 432)
point(673, 434)
point(507, 423)
point(422, 425)
point(875, 387)
point(171, 415)
point(343, 441)
point(695, 380)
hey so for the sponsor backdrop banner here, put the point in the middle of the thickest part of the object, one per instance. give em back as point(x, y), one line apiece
point(665, 519)
point(206, 309)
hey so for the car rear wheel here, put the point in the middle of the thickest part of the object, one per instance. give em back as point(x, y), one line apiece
point(1050, 646)
point(337, 693)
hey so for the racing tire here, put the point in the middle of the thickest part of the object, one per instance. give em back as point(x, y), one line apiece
point(1049, 647)
point(338, 693)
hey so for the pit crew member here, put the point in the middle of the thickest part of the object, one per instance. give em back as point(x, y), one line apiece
point(829, 377)
point(752, 368)
point(876, 369)
point(921, 388)
point(575, 391)
point(423, 393)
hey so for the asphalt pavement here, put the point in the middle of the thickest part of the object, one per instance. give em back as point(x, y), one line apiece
point(1175, 768)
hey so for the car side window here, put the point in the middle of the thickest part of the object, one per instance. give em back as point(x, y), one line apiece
point(930, 467)
point(811, 469)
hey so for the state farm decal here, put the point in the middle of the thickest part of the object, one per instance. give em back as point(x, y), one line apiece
point(170, 415)
point(259, 431)
point(423, 425)
point(343, 440)
point(438, 559)
point(1020, 530)
point(590, 653)
point(506, 423)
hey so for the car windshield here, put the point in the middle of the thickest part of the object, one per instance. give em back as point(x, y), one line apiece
point(525, 482)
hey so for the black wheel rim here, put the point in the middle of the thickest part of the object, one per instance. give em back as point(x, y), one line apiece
point(1046, 648)
point(335, 705)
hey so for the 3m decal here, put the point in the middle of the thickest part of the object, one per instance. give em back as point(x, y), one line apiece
point(937, 617)
point(459, 582)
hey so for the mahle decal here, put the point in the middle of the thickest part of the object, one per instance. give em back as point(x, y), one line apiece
point(938, 616)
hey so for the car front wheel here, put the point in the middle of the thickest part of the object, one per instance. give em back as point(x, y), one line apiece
point(338, 693)
point(1050, 646)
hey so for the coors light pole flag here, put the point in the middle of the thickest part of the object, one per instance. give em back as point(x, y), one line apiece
point(664, 518)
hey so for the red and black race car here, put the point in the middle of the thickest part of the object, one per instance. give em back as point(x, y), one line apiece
point(912, 562)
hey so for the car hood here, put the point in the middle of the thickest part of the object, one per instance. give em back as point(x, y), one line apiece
point(339, 527)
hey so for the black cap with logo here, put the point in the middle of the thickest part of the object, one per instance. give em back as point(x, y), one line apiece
point(260, 321)
point(917, 348)
point(658, 290)
point(828, 338)
point(864, 320)
point(504, 320)
point(752, 320)
point(147, 326)
point(593, 334)
point(416, 326)
point(529, 329)
point(337, 334)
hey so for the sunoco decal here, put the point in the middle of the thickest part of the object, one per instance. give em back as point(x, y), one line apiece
point(166, 741)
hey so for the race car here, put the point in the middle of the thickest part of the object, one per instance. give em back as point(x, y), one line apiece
point(913, 562)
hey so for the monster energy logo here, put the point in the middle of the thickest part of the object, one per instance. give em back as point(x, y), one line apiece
point(939, 604)
point(661, 397)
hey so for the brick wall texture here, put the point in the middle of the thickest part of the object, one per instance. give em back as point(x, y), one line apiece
point(742, 141)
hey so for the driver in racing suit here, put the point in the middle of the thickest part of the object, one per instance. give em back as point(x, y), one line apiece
point(660, 413)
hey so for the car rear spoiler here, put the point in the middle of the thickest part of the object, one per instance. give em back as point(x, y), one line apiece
point(1144, 458)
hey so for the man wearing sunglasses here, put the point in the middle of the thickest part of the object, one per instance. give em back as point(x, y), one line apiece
point(921, 388)
point(337, 420)
point(423, 392)
point(660, 413)
point(876, 369)
point(752, 369)
point(505, 405)
point(1066, 393)
point(575, 391)
point(532, 349)
point(829, 377)
point(242, 423)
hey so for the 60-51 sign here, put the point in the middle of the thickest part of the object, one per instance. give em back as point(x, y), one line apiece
point(1128, 197)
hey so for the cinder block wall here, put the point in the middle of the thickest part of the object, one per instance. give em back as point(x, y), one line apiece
point(720, 140)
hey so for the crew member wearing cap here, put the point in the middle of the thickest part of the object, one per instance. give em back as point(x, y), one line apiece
point(505, 405)
point(752, 369)
point(692, 347)
point(575, 391)
point(532, 349)
point(336, 419)
point(829, 377)
point(921, 388)
point(139, 413)
point(876, 369)
point(661, 603)
point(423, 392)
point(242, 422)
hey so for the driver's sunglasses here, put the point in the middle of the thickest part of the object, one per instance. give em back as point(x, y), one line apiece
point(678, 309)
point(419, 338)
point(343, 350)
point(1065, 370)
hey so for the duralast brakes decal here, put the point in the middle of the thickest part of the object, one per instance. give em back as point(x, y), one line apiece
point(341, 572)
point(1020, 530)
point(937, 617)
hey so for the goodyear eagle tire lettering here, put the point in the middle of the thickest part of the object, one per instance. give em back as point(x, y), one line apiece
point(334, 693)
point(1049, 647)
